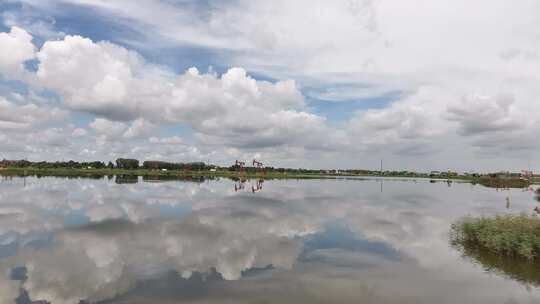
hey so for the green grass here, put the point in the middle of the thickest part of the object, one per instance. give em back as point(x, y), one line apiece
point(504, 235)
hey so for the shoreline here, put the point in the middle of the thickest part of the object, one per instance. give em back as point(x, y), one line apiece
point(74, 172)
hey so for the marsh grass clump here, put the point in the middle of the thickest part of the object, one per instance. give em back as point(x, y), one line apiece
point(503, 235)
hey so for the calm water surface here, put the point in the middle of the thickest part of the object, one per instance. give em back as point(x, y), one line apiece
point(281, 241)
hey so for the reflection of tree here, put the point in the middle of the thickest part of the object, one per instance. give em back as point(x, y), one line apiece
point(127, 179)
point(521, 270)
point(186, 178)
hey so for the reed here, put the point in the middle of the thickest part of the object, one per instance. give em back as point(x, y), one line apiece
point(504, 235)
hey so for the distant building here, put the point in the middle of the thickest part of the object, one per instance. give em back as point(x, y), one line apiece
point(7, 163)
point(452, 173)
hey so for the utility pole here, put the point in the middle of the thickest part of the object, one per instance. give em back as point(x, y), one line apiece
point(381, 166)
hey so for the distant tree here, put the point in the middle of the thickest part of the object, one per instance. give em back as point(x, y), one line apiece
point(126, 179)
point(127, 163)
point(197, 166)
point(22, 163)
point(110, 165)
point(157, 165)
point(98, 165)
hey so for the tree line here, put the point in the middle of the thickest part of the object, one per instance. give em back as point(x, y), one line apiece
point(57, 164)
point(120, 163)
point(132, 164)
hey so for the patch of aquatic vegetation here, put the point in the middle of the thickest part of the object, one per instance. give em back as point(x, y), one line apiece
point(502, 235)
point(506, 245)
point(494, 182)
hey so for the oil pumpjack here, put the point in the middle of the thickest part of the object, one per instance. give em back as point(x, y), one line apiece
point(241, 165)
point(259, 165)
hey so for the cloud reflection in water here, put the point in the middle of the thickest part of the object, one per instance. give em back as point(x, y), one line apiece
point(294, 241)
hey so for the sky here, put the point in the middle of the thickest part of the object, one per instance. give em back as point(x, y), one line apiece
point(420, 85)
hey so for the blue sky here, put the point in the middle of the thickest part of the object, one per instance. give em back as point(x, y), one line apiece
point(318, 84)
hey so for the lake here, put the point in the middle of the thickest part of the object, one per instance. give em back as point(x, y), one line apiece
point(129, 240)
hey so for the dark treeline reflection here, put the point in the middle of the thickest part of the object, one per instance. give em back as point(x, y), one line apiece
point(126, 179)
point(164, 178)
point(123, 178)
point(133, 179)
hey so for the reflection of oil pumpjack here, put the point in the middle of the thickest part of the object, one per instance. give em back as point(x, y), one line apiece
point(258, 187)
point(536, 191)
point(531, 189)
point(240, 185)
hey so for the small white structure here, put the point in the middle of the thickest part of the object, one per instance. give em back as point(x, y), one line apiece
point(527, 174)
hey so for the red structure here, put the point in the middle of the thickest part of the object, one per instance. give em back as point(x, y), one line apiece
point(257, 164)
point(7, 163)
point(241, 165)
